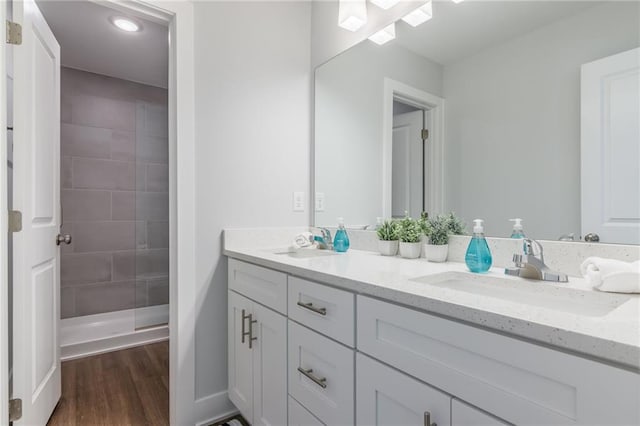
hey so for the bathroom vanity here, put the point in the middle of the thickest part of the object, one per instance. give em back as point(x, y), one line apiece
point(358, 338)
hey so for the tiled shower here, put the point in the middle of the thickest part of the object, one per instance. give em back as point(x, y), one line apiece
point(114, 195)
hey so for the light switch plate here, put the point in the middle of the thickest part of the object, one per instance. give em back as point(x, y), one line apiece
point(298, 201)
point(319, 201)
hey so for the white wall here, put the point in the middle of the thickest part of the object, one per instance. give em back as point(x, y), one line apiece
point(348, 127)
point(513, 122)
point(252, 84)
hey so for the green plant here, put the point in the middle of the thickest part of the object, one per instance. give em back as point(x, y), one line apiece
point(388, 231)
point(409, 230)
point(439, 234)
point(456, 225)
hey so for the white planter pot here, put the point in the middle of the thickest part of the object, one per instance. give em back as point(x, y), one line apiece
point(436, 253)
point(388, 248)
point(410, 250)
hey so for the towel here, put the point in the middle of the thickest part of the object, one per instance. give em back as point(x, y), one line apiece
point(612, 275)
point(302, 240)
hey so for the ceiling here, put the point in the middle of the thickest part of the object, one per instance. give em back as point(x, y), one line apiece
point(459, 30)
point(88, 41)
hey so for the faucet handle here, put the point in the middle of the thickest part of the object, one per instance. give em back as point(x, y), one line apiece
point(531, 246)
point(326, 234)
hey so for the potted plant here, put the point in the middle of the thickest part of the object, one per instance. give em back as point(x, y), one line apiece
point(388, 238)
point(410, 233)
point(438, 230)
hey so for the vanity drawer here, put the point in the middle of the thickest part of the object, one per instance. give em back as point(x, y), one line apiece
point(300, 416)
point(520, 382)
point(321, 375)
point(263, 285)
point(324, 309)
point(466, 415)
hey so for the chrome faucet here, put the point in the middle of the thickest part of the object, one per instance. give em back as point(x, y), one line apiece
point(324, 242)
point(530, 265)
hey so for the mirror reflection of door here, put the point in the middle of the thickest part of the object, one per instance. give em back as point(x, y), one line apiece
point(407, 182)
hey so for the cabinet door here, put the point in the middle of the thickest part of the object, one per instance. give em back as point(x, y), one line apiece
point(240, 356)
point(300, 416)
point(269, 367)
point(465, 415)
point(385, 396)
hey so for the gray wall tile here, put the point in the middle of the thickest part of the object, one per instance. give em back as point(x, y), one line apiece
point(108, 297)
point(123, 205)
point(158, 291)
point(66, 174)
point(82, 141)
point(152, 206)
point(103, 112)
point(140, 264)
point(84, 268)
point(104, 174)
point(82, 205)
point(158, 178)
point(67, 302)
point(104, 236)
point(158, 234)
point(123, 146)
point(152, 149)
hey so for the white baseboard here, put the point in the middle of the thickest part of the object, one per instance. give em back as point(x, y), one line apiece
point(213, 408)
point(95, 334)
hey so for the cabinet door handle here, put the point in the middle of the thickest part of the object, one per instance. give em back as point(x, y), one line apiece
point(427, 419)
point(245, 333)
point(322, 382)
point(309, 306)
point(251, 337)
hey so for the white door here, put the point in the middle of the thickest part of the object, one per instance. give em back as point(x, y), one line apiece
point(407, 177)
point(610, 148)
point(240, 357)
point(385, 396)
point(36, 303)
point(269, 367)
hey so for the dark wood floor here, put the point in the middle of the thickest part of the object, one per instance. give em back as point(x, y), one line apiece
point(128, 387)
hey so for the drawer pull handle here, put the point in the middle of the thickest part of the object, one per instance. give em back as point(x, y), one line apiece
point(309, 306)
point(427, 419)
point(244, 317)
point(322, 382)
point(251, 337)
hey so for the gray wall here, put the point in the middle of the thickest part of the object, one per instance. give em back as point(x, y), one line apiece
point(513, 122)
point(114, 196)
point(348, 128)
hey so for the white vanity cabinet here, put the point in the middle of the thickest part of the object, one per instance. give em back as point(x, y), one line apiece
point(304, 353)
point(257, 347)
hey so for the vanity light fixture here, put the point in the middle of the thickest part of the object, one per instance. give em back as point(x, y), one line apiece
point(457, 1)
point(386, 4)
point(386, 34)
point(126, 24)
point(352, 14)
point(420, 15)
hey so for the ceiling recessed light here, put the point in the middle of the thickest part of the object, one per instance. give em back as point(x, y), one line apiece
point(126, 24)
point(384, 35)
point(352, 14)
point(420, 15)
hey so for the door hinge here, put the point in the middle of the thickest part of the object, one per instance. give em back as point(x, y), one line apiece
point(14, 33)
point(15, 409)
point(425, 134)
point(15, 221)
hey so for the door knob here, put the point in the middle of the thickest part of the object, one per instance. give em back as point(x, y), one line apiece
point(66, 238)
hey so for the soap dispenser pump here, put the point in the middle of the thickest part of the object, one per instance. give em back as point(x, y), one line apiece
point(341, 240)
point(518, 231)
point(478, 257)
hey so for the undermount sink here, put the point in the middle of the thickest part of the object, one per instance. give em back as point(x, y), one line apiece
point(537, 293)
point(306, 253)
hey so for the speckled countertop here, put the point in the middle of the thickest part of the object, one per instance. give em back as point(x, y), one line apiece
point(569, 316)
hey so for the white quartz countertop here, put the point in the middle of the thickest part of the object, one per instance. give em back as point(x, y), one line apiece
point(543, 315)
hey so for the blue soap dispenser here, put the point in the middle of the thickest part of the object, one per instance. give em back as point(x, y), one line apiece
point(478, 257)
point(341, 240)
point(518, 231)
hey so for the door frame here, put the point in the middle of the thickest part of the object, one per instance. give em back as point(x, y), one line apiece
point(4, 233)
point(178, 16)
point(435, 150)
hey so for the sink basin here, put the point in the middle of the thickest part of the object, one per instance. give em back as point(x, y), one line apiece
point(306, 254)
point(537, 293)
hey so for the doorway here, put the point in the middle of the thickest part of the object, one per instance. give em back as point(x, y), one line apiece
point(108, 164)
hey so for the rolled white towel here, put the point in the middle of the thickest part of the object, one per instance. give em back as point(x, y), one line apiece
point(612, 275)
point(304, 239)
